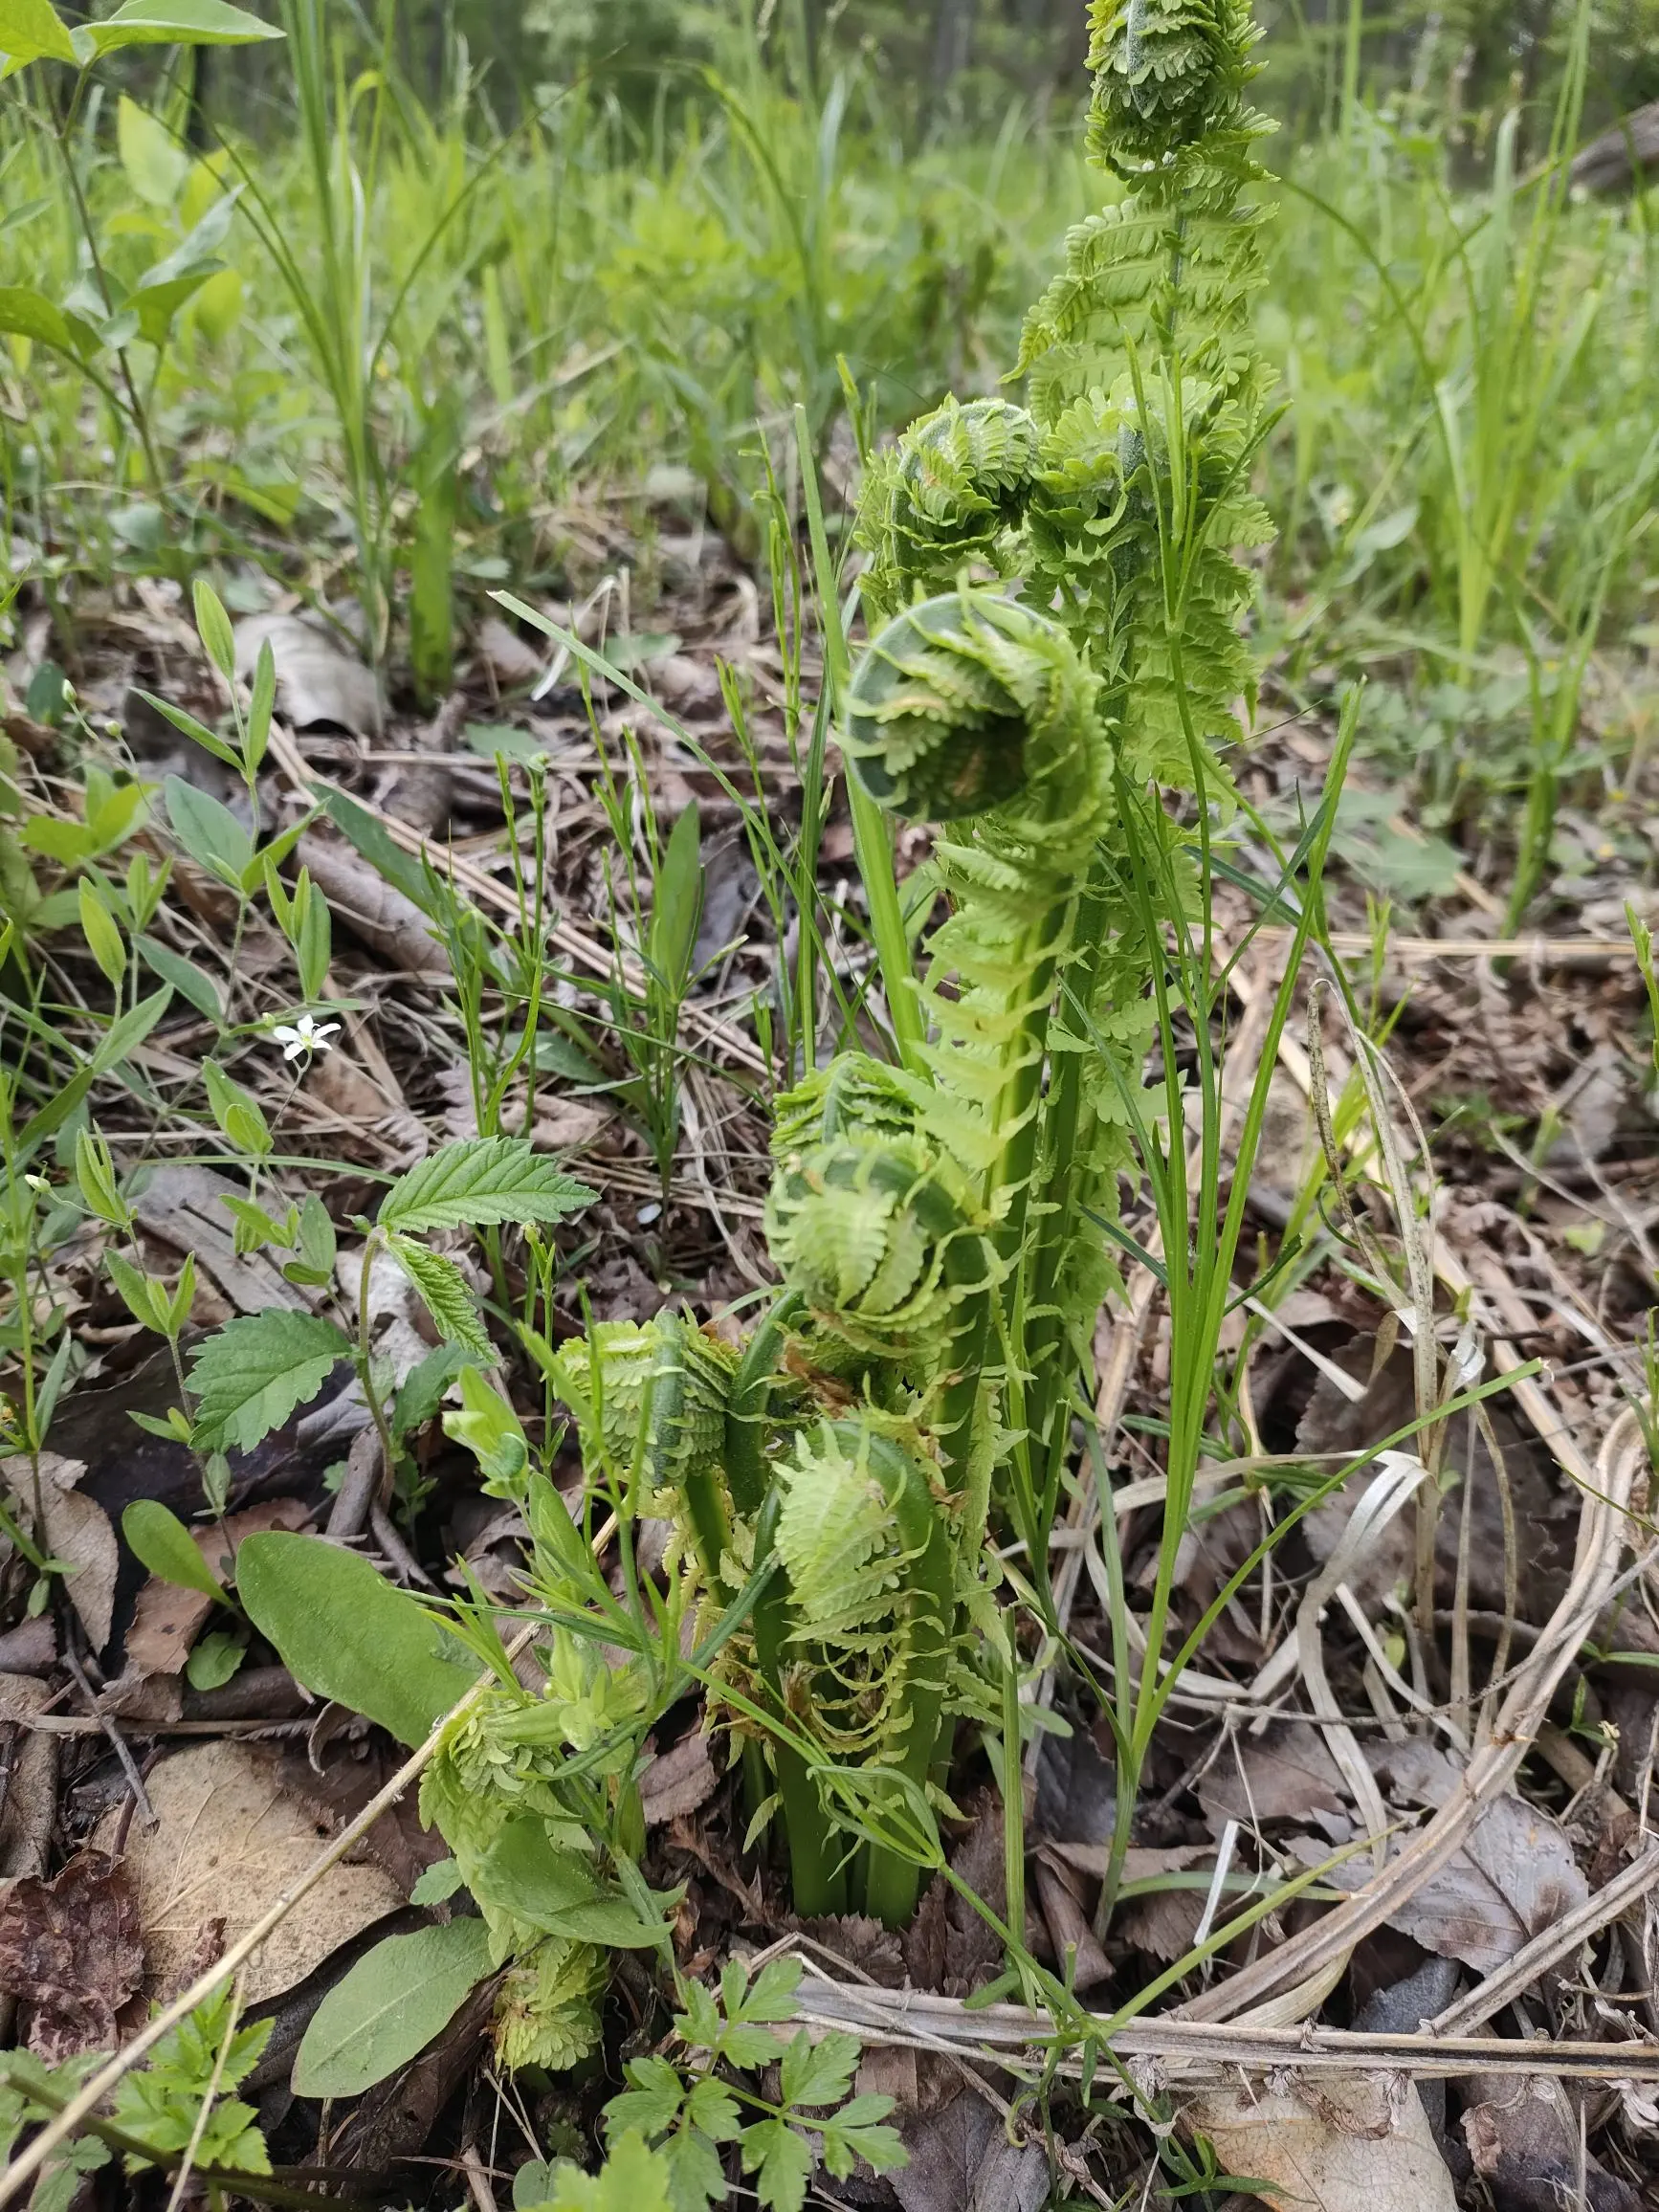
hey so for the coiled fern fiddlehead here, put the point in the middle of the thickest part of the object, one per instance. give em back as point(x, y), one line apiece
point(1053, 596)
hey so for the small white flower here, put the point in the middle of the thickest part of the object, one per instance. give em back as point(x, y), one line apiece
point(37, 1182)
point(304, 1037)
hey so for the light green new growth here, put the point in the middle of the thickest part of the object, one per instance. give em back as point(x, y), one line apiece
point(1055, 598)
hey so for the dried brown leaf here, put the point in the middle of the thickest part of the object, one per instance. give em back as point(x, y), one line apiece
point(75, 1530)
point(70, 1950)
point(317, 681)
point(1352, 2143)
point(1523, 2139)
point(1287, 1775)
point(230, 1840)
point(29, 1803)
point(961, 2160)
point(679, 1781)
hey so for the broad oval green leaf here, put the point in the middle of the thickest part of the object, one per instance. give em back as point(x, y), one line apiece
point(479, 1181)
point(159, 1540)
point(29, 314)
point(209, 831)
point(178, 23)
point(390, 2007)
point(346, 1633)
point(34, 31)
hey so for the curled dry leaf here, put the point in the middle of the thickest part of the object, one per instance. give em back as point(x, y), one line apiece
point(1287, 1775)
point(229, 1841)
point(317, 681)
point(69, 1951)
point(961, 2160)
point(677, 1781)
point(1350, 2143)
point(1523, 2139)
point(1514, 1876)
point(167, 1618)
point(76, 1531)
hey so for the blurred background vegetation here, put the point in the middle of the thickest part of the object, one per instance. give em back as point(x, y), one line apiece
point(434, 295)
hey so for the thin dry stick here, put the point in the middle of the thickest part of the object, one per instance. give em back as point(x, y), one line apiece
point(1192, 2050)
point(28, 2162)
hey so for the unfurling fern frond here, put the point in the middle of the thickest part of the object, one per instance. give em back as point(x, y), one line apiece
point(871, 1560)
point(966, 704)
point(883, 1255)
point(653, 1398)
point(951, 496)
point(1167, 74)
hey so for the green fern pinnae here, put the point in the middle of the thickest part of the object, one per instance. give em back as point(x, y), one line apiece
point(951, 496)
point(871, 1558)
point(837, 1541)
point(1167, 75)
point(881, 1253)
point(966, 703)
point(654, 1397)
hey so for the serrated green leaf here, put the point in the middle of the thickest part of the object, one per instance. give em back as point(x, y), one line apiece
point(438, 1883)
point(159, 1540)
point(713, 2108)
point(651, 2104)
point(751, 2044)
point(634, 2179)
point(699, 2024)
point(821, 2072)
point(249, 1377)
point(880, 2147)
point(446, 1295)
point(697, 2178)
point(346, 1633)
point(771, 1995)
point(479, 1181)
point(781, 2162)
point(390, 2007)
